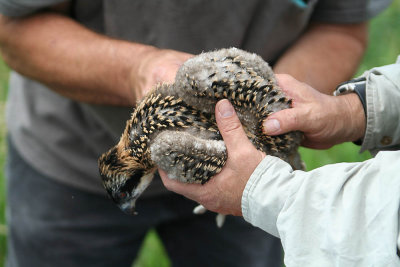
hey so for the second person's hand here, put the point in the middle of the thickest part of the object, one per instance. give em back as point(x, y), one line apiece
point(325, 120)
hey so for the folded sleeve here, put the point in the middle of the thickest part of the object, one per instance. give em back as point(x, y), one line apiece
point(348, 11)
point(17, 8)
point(383, 108)
point(343, 214)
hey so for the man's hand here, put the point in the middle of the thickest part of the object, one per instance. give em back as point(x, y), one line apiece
point(155, 66)
point(325, 120)
point(223, 193)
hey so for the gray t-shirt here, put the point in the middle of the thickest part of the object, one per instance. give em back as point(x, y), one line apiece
point(63, 138)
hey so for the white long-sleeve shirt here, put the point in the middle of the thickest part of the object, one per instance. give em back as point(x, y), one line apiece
point(344, 214)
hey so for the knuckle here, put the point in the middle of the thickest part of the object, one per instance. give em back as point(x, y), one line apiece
point(290, 121)
point(284, 77)
point(294, 119)
point(231, 125)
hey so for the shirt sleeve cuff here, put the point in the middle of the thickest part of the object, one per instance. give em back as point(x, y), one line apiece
point(266, 192)
point(382, 95)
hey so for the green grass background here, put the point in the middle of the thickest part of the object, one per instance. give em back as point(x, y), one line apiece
point(383, 49)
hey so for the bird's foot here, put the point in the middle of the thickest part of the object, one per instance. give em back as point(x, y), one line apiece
point(200, 209)
point(220, 219)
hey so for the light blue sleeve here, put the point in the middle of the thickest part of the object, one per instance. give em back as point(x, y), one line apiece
point(383, 108)
point(17, 8)
point(338, 215)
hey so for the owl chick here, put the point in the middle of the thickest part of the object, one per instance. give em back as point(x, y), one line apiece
point(174, 126)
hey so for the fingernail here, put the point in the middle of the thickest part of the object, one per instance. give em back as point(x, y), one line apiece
point(225, 109)
point(271, 126)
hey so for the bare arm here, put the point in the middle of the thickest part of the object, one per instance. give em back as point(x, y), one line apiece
point(325, 55)
point(83, 65)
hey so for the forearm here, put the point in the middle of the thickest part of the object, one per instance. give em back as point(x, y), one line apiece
point(70, 59)
point(325, 55)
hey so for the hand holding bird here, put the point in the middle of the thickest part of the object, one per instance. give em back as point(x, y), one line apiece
point(174, 126)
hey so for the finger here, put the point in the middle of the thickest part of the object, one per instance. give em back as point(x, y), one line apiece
point(164, 177)
point(169, 183)
point(291, 87)
point(169, 73)
point(284, 79)
point(229, 125)
point(283, 121)
point(285, 82)
point(176, 186)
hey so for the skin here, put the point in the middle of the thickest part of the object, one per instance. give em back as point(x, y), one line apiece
point(81, 64)
point(325, 55)
point(89, 67)
point(223, 192)
point(325, 120)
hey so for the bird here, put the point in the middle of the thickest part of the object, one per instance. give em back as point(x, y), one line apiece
point(173, 127)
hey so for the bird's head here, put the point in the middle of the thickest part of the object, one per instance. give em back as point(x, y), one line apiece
point(124, 177)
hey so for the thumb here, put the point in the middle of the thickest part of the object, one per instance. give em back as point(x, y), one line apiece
point(281, 122)
point(229, 125)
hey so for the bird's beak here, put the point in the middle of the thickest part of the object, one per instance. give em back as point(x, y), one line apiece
point(128, 206)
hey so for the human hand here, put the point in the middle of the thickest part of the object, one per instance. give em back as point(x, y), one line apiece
point(223, 192)
point(325, 120)
point(155, 66)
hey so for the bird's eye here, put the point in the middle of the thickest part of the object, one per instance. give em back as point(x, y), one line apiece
point(122, 195)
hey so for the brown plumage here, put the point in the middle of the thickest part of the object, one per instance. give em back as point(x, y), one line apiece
point(174, 126)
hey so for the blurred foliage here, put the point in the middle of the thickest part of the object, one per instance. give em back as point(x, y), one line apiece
point(4, 73)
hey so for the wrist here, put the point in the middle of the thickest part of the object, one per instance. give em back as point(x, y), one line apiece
point(354, 117)
point(355, 89)
point(131, 57)
point(152, 66)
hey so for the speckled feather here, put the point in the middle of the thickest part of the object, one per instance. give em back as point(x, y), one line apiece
point(174, 126)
